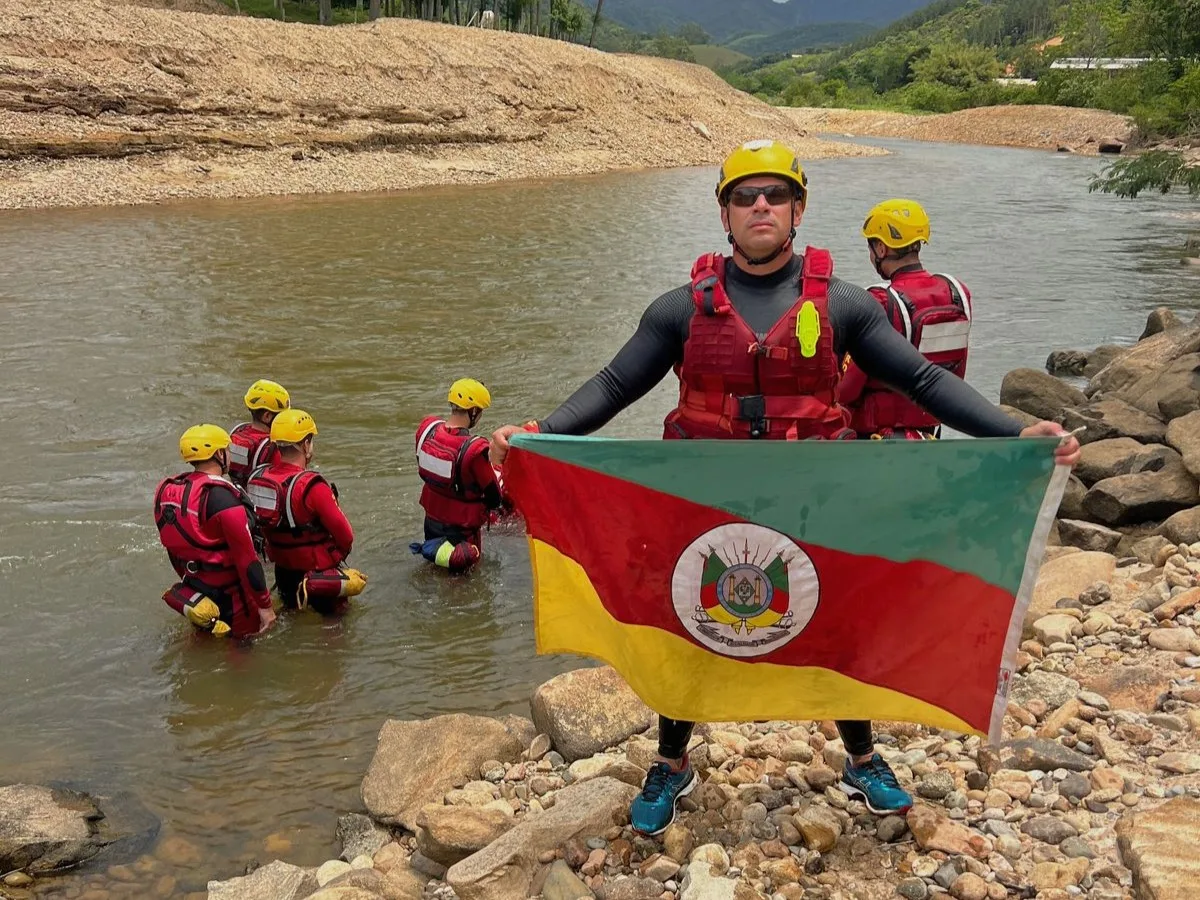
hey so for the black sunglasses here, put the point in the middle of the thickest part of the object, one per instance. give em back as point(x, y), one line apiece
point(776, 194)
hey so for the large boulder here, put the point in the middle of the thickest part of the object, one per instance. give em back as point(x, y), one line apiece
point(449, 834)
point(42, 829)
point(1114, 418)
point(1024, 418)
point(1159, 847)
point(1167, 393)
point(1183, 527)
point(1066, 576)
point(1038, 393)
point(1101, 357)
point(1160, 320)
point(417, 761)
point(1071, 505)
point(1088, 536)
point(504, 869)
point(275, 881)
point(1144, 358)
point(1183, 434)
point(1114, 456)
point(588, 710)
point(1143, 496)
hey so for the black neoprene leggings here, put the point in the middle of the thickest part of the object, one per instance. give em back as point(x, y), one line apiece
point(674, 734)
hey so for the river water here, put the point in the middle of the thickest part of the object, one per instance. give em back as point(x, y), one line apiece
point(121, 327)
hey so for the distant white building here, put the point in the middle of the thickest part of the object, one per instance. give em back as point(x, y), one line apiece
point(1100, 62)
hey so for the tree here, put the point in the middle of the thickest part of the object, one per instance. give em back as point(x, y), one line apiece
point(373, 10)
point(595, 21)
point(693, 33)
point(1160, 170)
point(957, 65)
point(1169, 28)
point(325, 12)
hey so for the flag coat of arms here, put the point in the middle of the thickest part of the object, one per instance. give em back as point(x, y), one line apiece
point(747, 580)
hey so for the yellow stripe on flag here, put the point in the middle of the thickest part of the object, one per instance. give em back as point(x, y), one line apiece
point(676, 678)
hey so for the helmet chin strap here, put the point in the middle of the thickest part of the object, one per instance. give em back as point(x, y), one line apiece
point(762, 260)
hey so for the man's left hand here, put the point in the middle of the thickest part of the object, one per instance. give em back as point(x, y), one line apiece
point(1067, 452)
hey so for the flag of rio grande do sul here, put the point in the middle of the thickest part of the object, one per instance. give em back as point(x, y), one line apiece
point(747, 580)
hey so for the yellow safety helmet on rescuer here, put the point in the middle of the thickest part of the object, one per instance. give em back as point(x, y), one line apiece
point(762, 158)
point(292, 426)
point(268, 395)
point(897, 223)
point(202, 442)
point(467, 393)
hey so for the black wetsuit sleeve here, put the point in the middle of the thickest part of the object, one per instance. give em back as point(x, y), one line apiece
point(879, 350)
point(219, 499)
point(641, 364)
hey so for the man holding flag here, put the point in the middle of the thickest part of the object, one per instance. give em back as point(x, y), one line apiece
point(756, 340)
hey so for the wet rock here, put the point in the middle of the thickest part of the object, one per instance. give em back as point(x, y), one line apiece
point(1038, 393)
point(358, 834)
point(1088, 535)
point(42, 829)
point(1160, 319)
point(417, 761)
point(587, 711)
point(1066, 362)
point(447, 834)
point(1159, 846)
point(275, 881)
point(504, 869)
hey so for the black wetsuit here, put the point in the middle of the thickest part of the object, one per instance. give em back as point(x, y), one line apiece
point(860, 328)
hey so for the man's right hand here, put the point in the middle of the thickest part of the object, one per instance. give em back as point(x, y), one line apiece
point(500, 442)
point(266, 618)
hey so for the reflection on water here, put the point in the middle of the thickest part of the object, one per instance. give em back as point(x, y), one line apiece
point(124, 326)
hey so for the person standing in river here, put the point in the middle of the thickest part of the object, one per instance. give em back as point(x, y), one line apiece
point(756, 340)
point(461, 489)
point(251, 445)
point(205, 525)
point(932, 311)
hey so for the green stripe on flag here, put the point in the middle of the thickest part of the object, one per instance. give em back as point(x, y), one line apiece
point(970, 505)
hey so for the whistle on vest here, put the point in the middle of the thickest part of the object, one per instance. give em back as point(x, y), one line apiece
point(808, 329)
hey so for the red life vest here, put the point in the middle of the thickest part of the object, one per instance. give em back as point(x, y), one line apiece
point(295, 539)
point(444, 459)
point(934, 313)
point(732, 385)
point(249, 448)
point(179, 514)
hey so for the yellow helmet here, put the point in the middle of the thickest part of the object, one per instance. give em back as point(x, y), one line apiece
point(898, 223)
point(268, 395)
point(292, 426)
point(467, 393)
point(201, 442)
point(762, 158)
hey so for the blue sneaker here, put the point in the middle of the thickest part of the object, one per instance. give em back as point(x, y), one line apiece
point(875, 784)
point(654, 808)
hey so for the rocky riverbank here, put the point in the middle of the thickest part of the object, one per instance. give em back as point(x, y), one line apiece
point(1064, 128)
point(104, 103)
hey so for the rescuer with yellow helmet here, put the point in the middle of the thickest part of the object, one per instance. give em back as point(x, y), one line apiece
point(205, 525)
point(250, 442)
point(308, 535)
point(931, 310)
point(460, 486)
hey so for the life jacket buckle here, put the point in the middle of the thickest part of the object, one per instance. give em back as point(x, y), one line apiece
point(753, 408)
